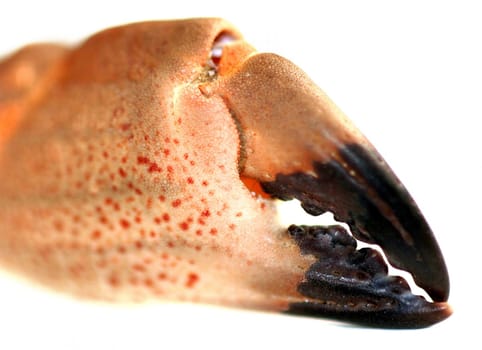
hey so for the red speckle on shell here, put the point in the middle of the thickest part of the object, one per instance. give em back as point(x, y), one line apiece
point(192, 279)
point(124, 223)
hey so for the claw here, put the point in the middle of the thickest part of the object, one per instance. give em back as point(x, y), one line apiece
point(301, 146)
point(153, 132)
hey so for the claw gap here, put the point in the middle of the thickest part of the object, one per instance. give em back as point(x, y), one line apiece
point(290, 212)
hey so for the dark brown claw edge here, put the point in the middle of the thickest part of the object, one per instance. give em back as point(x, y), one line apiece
point(353, 285)
point(361, 190)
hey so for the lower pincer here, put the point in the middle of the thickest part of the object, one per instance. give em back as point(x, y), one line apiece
point(353, 285)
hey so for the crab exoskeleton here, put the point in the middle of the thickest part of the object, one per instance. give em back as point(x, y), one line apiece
point(145, 162)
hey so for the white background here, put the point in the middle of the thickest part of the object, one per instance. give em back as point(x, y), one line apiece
point(408, 73)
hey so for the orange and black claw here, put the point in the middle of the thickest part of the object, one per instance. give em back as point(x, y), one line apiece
point(245, 116)
point(297, 144)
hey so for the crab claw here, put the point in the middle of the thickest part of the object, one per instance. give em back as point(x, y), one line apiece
point(297, 144)
point(129, 171)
